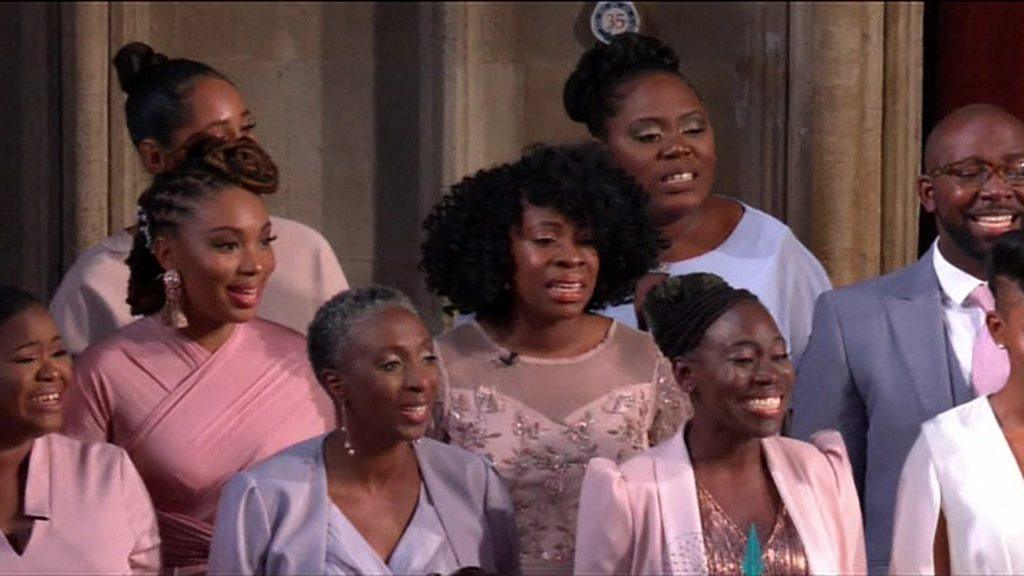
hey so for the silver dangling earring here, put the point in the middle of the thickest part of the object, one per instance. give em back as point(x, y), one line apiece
point(172, 313)
point(346, 443)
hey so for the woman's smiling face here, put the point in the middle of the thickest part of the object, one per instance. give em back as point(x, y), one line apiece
point(223, 253)
point(740, 376)
point(34, 375)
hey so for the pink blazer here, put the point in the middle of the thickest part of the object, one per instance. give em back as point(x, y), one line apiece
point(642, 517)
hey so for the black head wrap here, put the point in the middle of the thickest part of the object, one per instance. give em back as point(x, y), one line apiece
point(680, 310)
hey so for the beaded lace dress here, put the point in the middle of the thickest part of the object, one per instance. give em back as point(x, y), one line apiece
point(541, 420)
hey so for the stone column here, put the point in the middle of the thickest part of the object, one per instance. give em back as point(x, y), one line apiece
point(85, 62)
point(129, 22)
point(901, 132)
point(854, 134)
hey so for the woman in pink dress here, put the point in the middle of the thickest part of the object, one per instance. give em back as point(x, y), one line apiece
point(199, 388)
point(66, 507)
point(726, 494)
point(538, 382)
point(170, 100)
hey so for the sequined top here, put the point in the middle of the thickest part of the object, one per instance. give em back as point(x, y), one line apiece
point(725, 544)
point(541, 420)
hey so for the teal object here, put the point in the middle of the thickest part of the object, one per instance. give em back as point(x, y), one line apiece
point(752, 565)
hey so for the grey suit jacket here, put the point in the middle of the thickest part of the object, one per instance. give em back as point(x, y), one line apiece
point(272, 518)
point(877, 366)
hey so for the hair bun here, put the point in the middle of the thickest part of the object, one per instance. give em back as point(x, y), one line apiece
point(682, 308)
point(132, 60)
point(241, 160)
point(604, 66)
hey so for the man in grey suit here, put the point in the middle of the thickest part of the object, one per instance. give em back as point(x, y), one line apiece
point(887, 354)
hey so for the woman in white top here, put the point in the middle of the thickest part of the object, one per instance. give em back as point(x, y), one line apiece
point(960, 504)
point(633, 97)
point(169, 102)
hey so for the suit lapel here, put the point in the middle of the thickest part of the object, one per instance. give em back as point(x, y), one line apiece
point(915, 315)
point(677, 496)
point(461, 524)
point(801, 502)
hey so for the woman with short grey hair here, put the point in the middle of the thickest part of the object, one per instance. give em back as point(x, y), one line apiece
point(388, 500)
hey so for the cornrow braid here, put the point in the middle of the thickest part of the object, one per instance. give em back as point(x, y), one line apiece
point(211, 165)
point(681, 310)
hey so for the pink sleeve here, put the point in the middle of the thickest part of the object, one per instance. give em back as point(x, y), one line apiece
point(918, 502)
point(145, 555)
point(87, 410)
point(604, 526)
point(852, 555)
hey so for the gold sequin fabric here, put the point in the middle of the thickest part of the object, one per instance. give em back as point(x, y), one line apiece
point(725, 543)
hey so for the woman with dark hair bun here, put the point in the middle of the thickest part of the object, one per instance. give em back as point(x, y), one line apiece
point(199, 388)
point(169, 102)
point(726, 494)
point(961, 496)
point(633, 97)
point(66, 507)
point(538, 382)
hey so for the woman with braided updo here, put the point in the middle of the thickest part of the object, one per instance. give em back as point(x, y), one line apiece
point(725, 495)
point(633, 97)
point(170, 101)
point(200, 387)
point(537, 382)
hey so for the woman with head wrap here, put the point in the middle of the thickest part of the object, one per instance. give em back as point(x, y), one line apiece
point(200, 387)
point(960, 503)
point(372, 496)
point(633, 97)
point(66, 507)
point(726, 495)
point(171, 101)
point(537, 381)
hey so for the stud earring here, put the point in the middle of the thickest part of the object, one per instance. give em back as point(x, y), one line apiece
point(173, 314)
point(346, 442)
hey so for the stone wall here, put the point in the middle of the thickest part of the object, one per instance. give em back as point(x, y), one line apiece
point(370, 108)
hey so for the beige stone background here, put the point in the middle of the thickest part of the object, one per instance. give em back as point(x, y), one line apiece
point(370, 108)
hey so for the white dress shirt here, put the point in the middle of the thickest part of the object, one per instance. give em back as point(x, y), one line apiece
point(962, 319)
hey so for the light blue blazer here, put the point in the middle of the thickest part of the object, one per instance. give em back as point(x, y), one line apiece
point(272, 518)
point(878, 365)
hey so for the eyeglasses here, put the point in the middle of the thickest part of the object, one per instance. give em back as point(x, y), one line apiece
point(972, 174)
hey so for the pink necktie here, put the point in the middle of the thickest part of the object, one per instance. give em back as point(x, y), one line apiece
point(990, 366)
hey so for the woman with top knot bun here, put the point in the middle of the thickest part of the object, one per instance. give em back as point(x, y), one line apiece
point(199, 387)
point(633, 97)
point(171, 101)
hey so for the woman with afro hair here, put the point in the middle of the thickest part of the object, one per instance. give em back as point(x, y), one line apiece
point(537, 381)
point(635, 100)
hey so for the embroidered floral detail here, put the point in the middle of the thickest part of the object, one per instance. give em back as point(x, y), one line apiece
point(470, 430)
point(544, 460)
point(487, 401)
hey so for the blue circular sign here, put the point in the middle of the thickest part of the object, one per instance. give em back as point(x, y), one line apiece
point(612, 18)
